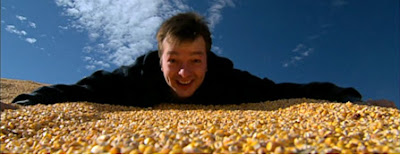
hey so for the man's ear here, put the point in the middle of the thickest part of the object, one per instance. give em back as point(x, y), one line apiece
point(161, 65)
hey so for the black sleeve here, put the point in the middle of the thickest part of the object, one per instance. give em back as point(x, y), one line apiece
point(316, 90)
point(102, 87)
point(244, 87)
point(249, 88)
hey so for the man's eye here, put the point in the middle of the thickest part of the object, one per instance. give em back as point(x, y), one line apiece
point(171, 60)
point(197, 61)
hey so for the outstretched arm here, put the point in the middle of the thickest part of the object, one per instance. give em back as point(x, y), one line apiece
point(316, 90)
point(101, 86)
point(54, 94)
point(252, 89)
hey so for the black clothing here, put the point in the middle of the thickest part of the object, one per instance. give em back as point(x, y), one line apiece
point(143, 84)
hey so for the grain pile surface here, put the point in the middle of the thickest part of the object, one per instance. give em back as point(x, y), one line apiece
point(283, 126)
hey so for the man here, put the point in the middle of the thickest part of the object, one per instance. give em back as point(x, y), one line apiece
point(183, 70)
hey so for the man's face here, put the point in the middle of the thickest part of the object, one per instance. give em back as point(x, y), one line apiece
point(184, 65)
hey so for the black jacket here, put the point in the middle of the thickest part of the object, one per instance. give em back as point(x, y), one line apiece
point(142, 84)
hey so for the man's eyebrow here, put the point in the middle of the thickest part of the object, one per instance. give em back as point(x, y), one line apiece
point(193, 53)
point(197, 53)
point(172, 53)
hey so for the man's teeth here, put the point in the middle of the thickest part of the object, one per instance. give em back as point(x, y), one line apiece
point(185, 82)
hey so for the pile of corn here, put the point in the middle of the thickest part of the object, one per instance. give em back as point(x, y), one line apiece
point(169, 128)
point(283, 126)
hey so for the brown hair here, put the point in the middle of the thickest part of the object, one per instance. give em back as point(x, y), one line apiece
point(184, 27)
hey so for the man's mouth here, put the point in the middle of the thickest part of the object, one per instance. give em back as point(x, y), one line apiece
point(184, 82)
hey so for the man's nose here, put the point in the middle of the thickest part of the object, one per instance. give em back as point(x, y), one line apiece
point(185, 71)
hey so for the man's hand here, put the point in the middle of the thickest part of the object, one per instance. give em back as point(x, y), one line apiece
point(7, 106)
point(25, 99)
point(382, 103)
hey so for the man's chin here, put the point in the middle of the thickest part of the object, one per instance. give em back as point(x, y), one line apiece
point(183, 94)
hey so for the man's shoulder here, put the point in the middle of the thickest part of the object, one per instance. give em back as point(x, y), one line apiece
point(151, 60)
point(145, 61)
point(153, 54)
point(218, 63)
point(147, 58)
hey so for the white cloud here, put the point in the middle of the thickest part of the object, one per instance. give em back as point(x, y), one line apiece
point(21, 34)
point(87, 58)
point(285, 64)
point(297, 58)
point(3, 8)
point(216, 49)
point(307, 52)
point(2, 21)
point(93, 36)
point(301, 51)
point(339, 3)
point(90, 67)
point(298, 48)
point(215, 16)
point(13, 29)
point(32, 24)
point(101, 63)
point(313, 37)
point(214, 12)
point(21, 18)
point(95, 63)
point(30, 40)
point(87, 49)
point(63, 27)
point(127, 29)
point(122, 30)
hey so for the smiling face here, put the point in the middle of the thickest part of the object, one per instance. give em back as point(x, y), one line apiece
point(184, 65)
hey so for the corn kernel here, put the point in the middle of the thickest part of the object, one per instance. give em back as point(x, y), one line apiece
point(271, 146)
point(115, 150)
point(142, 147)
point(96, 149)
point(149, 149)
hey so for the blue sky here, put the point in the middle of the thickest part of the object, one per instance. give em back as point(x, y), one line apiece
point(351, 43)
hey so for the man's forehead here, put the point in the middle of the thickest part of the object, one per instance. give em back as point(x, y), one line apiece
point(175, 41)
point(192, 53)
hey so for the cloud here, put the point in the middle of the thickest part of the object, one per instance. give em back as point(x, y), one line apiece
point(101, 63)
point(30, 40)
point(301, 51)
point(214, 12)
point(126, 28)
point(339, 3)
point(313, 37)
point(13, 29)
point(2, 21)
point(298, 48)
point(63, 27)
point(121, 30)
point(21, 34)
point(90, 67)
point(87, 58)
point(32, 24)
point(95, 63)
point(21, 18)
point(216, 49)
